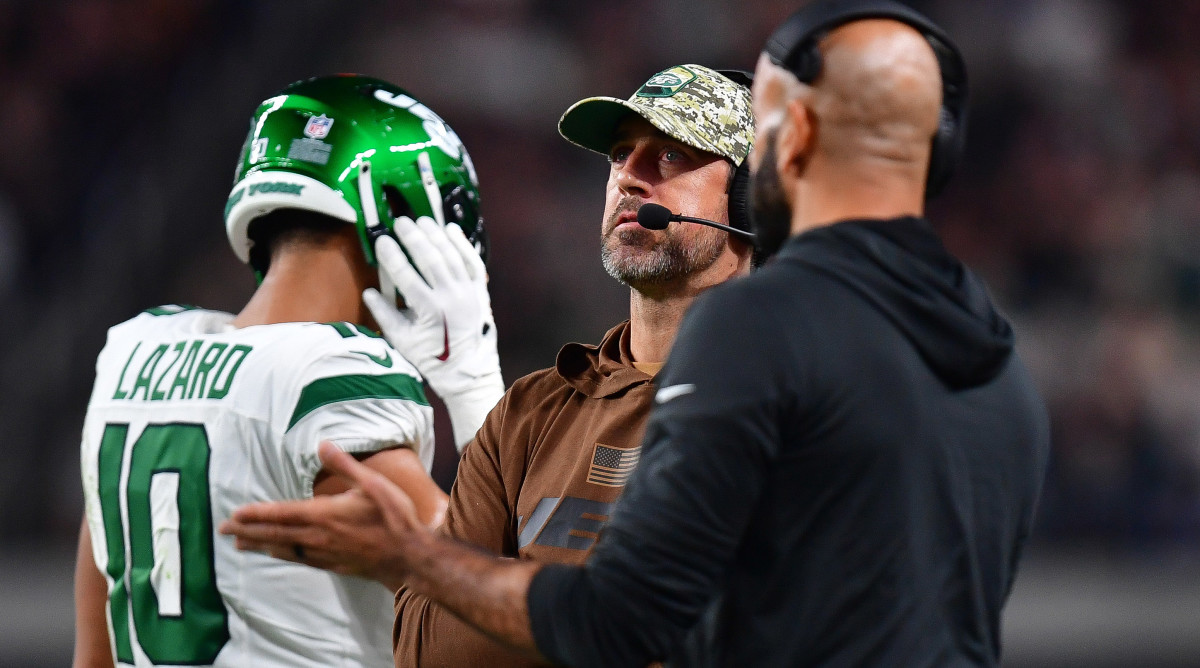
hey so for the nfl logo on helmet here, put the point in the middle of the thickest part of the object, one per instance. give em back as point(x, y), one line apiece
point(318, 126)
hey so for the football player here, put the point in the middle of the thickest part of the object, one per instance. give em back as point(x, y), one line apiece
point(197, 412)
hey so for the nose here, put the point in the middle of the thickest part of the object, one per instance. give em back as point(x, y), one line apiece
point(635, 176)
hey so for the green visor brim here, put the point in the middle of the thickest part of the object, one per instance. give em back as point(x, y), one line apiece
point(592, 123)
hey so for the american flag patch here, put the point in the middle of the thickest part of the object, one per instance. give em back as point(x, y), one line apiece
point(612, 466)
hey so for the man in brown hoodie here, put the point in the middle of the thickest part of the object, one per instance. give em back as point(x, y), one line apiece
point(552, 457)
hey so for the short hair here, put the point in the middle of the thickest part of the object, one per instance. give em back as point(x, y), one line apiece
point(285, 227)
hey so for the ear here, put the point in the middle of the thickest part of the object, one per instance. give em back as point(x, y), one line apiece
point(797, 137)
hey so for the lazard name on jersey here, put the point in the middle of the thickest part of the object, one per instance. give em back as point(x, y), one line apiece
point(190, 369)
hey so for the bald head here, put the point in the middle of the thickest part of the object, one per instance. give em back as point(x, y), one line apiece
point(856, 142)
point(879, 94)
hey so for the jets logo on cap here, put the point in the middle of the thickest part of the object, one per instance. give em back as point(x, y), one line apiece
point(318, 127)
point(667, 82)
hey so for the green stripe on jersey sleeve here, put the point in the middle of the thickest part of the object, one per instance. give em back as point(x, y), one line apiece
point(334, 389)
point(350, 329)
point(171, 309)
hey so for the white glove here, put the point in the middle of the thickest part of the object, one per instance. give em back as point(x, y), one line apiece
point(446, 329)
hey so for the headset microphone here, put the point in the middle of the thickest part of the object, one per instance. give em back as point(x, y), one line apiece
point(656, 217)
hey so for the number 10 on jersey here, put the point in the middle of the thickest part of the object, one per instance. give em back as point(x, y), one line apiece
point(158, 530)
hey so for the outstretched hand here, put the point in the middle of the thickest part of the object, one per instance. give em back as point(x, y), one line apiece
point(364, 531)
point(372, 530)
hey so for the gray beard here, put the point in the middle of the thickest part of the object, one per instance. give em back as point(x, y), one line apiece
point(624, 258)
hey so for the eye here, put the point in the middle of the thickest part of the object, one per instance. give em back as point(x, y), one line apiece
point(673, 155)
point(619, 154)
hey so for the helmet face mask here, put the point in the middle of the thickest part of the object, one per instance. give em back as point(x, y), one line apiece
point(308, 146)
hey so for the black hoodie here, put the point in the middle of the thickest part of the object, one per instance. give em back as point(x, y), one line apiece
point(841, 469)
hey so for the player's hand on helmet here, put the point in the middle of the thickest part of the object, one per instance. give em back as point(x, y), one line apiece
point(446, 329)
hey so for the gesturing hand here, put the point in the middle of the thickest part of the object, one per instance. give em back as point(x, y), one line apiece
point(446, 328)
point(373, 531)
point(364, 531)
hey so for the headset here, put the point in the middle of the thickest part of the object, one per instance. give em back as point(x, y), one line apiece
point(739, 185)
point(794, 46)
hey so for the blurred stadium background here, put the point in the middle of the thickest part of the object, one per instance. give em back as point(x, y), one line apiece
point(1079, 201)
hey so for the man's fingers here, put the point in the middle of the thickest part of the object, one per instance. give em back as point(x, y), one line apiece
point(282, 541)
point(337, 462)
point(417, 294)
point(394, 322)
point(249, 545)
point(310, 556)
point(385, 494)
point(261, 535)
point(398, 510)
point(427, 256)
point(396, 507)
point(279, 512)
point(277, 550)
point(470, 257)
point(437, 238)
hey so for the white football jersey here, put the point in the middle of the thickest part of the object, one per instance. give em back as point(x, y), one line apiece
point(191, 418)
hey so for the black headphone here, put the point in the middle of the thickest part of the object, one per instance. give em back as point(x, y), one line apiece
point(739, 184)
point(794, 46)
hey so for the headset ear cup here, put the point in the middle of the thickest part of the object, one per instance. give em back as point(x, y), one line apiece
point(795, 46)
point(948, 143)
point(739, 208)
point(739, 197)
point(943, 154)
point(950, 139)
point(808, 61)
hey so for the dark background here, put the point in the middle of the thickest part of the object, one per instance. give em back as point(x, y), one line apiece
point(121, 121)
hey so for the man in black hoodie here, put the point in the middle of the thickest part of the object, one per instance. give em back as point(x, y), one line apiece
point(847, 452)
point(845, 455)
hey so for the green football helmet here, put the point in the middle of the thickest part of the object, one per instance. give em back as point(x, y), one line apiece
point(356, 149)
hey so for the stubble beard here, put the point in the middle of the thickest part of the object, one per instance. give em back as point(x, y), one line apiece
point(636, 258)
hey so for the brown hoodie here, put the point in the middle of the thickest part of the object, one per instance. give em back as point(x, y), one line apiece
point(537, 482)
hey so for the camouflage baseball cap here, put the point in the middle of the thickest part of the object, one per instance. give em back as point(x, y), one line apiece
point(692, 103)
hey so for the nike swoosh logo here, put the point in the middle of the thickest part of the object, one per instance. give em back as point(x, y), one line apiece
point(445, 342)
point(672, 391)
point(384, 360)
